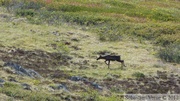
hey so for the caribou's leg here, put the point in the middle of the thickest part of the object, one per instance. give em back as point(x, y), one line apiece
point(108, 64)
point(122, 63)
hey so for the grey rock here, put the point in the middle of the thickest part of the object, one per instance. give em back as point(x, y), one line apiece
point(34, 73)
point(86, 81)
point(76, 78)
point(1, 80)
point(59, 87)
point(26, 86)
point(12, 80)
point(22, 71)
point(1, 85)
point(95, 85)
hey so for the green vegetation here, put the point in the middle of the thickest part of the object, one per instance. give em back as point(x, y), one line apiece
point(112, 20)
point(81, 30)
point(170, 53)
point(138, 75)
point(16, 91)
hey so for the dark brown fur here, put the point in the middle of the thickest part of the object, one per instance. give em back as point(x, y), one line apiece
point(111, 58)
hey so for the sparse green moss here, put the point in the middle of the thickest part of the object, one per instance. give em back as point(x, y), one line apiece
point(17, 92)
point(138, 75)
point(171, 53)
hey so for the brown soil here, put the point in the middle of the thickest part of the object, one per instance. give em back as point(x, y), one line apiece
point(43, 62)
point(163, 83)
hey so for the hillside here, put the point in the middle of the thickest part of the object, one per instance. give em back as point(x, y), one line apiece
point(48, 49)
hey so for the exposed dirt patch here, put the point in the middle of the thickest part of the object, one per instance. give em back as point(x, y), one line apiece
point(38, 60)
point(57, 74)
point(160, 84)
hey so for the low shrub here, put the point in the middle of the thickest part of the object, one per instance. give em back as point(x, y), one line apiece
point(110, 37)
point(26, 12)
point(32, 4)
point(87, 20)
point(17, 92)
point(165, 40)
point(92, 95)
point(58, 17)
point(162, 15)
point(112, 32)
point(171, 53)
point(138, 75)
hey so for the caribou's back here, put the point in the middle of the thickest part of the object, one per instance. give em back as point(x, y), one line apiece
point(112, 58)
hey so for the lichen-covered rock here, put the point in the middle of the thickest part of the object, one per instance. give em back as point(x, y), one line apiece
point(15, 68)
point(2, 82)
point(26, 86)
point(59, 87)
point(86, 81)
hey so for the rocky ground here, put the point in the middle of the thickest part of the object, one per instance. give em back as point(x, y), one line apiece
point(36, 65)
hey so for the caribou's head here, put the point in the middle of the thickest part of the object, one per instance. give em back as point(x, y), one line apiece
point(122, 61)
point(100, 57)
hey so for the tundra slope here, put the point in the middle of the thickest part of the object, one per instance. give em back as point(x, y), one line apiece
point(83, 47)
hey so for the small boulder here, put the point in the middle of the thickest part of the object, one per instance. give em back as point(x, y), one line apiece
point(15, 68)
point(2, 82)
point(96, 86)
point(26, 86)
point(76, 78)
point(34, 74)
point(59, 87)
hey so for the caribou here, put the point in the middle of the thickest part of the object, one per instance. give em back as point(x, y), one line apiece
point(109, 58)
